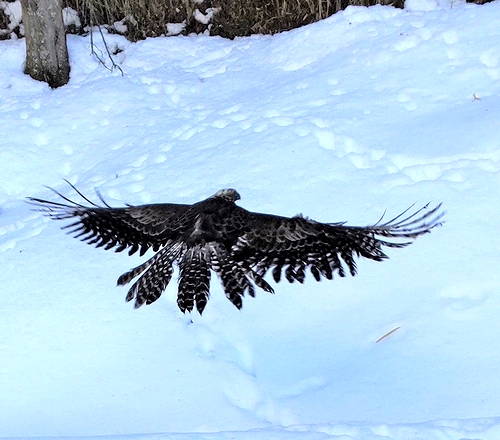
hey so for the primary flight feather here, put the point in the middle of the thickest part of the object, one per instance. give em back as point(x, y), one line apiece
point(238, 245)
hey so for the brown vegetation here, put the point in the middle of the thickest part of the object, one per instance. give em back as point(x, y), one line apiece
point(233, 18)
point(139, 19)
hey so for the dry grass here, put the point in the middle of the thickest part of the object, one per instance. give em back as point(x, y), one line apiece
point(4, 23)
point(272, 16)
point(148, 18)
point(234, 18)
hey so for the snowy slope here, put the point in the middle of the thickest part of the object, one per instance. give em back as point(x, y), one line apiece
point(370, 110)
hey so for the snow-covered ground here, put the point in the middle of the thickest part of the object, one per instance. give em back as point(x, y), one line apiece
point(370, 110)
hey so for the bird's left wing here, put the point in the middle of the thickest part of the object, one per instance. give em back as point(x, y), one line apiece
point(294, 244)
point(136, 228)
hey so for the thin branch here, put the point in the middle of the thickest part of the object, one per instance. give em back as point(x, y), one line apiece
point(93, 46)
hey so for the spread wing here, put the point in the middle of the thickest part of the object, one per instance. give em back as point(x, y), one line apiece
point(238, 245)
point(131, 227)
point(294, 244)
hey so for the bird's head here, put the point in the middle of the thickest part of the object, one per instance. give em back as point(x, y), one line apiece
point(229, 194)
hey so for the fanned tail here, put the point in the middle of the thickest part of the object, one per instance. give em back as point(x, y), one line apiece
point(194, 280)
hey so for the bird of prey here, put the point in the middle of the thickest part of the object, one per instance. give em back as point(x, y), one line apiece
point(238, 245)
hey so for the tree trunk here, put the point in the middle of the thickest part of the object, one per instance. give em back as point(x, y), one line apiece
point(46, 50)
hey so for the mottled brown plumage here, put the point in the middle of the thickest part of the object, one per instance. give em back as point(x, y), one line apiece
point(238, 245)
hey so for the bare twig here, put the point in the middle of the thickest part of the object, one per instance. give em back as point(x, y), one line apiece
point(93, 46)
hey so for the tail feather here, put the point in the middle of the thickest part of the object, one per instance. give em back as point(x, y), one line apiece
point(194, 280)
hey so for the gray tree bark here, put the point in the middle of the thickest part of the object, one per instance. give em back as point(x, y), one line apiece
point(46, 51)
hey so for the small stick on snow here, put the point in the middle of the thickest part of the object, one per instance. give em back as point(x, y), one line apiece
point(387, 334)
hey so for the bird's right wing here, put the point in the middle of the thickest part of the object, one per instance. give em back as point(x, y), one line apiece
point(131, 227)
point(294, 244)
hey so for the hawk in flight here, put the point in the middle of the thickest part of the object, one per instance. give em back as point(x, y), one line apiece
point(238, 245)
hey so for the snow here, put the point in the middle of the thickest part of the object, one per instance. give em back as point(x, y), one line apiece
point(175, 28)
point(207, 17)
point(71, 18)
point(14, 12)
point(368, 111)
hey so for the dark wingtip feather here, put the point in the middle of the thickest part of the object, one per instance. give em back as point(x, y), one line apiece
point(414, 224)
